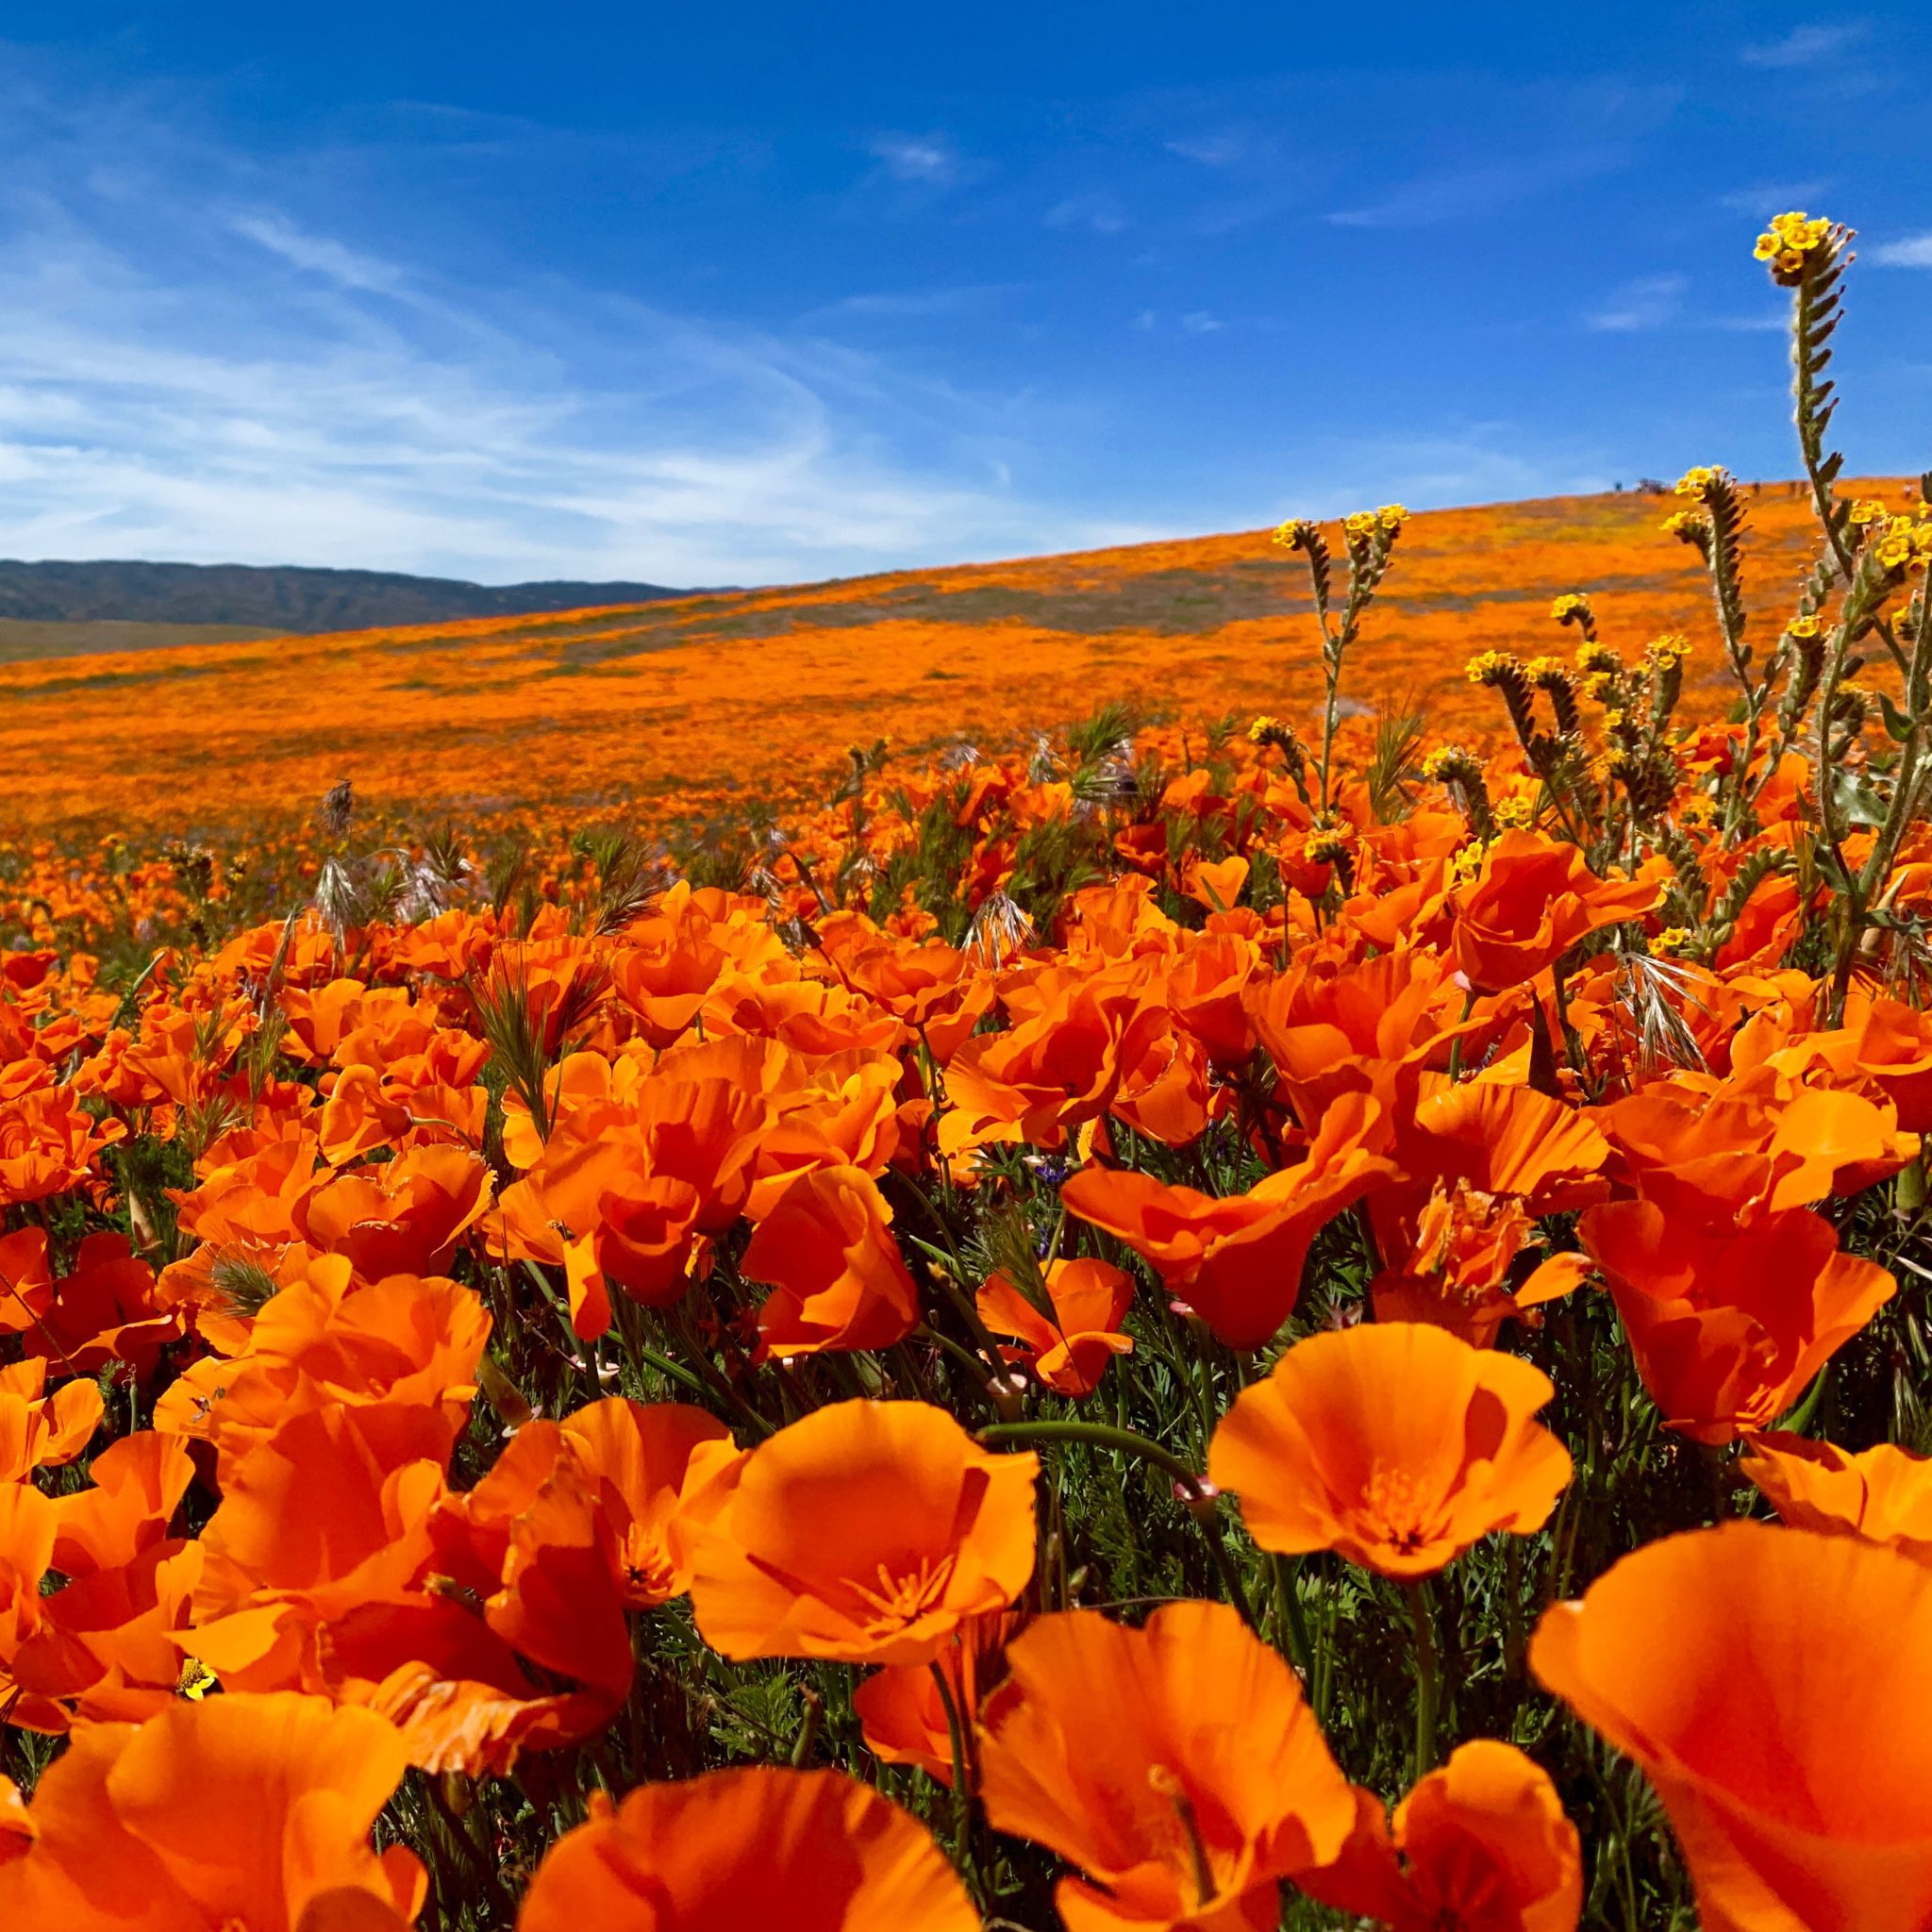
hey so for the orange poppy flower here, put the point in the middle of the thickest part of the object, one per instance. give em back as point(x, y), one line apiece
point(1481, 1845)
point(1237, 1260)
point(1459, 1268)
point(235, 1811)
point(838, 1279)
point(868, 1531)
point(39, 1430)
point(1753, 1146)
point(1772, 1683)
point(1176, 1766)
point(47, 1143)
point(1397, 1444)
point(662, 1470)
point(902, 1716)
point(1068, 1349)
point(1533, 899)
point(403, 1217)
point(1884, 1495)
point(1727, 1328)
point(813, 1851)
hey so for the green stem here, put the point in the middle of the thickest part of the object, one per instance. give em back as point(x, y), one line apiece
point(1429, 1676)
point(1199, 1499)
point(963, 1786)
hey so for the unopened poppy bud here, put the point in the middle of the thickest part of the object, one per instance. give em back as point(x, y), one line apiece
point(1199, 1500)
point(1008, 1394)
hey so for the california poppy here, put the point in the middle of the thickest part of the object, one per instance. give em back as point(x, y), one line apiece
point(1237, 1260)
point(1883, 1494)
point(1729, 1326)
point(1068, 1345)
point(249, 1811)
point(1772, 1683)
point(814, 1851)
point(1395, 1443)
point(1532, 901)
point(868, 1531)
point(1176, 1767)
point(1481, 1845)
point(901, 1713)
point(838, 1279)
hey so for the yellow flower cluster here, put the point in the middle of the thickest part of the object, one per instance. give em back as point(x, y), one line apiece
point(1327, 844)
point(1684, 523)
point(1699, 480)
point(1790, 243)
point(1697, 813)
point(1904, 544)
point(1672, 938)
point(1450, 764)
point(1367, 523)
point(1515, 814)
point(1296, 534)
point(1570, 606)
point(1491, 665)
point(1595, 684)
point(1543, 670)
point(1672, 649)
point(1597, 660)
point(1260, 728)
point(1805, 629)
point(1867, 509)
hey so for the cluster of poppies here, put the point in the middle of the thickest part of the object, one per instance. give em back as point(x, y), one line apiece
point(1180, 1330)
point(463, 1324)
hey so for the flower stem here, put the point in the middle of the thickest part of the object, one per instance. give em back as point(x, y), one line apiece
point(1428, 1677)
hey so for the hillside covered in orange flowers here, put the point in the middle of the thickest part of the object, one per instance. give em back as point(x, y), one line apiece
point(683, 709)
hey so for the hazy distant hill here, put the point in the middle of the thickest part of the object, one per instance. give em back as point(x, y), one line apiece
point(279, 599)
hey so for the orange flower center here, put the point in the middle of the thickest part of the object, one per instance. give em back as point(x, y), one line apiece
point(1397, 1511)
point(897, 1601)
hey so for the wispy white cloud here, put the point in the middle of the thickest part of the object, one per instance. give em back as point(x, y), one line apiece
point(1646, 303)
point(192, 367)
point(1767, 198)
point(1913, 251)
point(1802, 45)
point(321, 254)
point(1093, 212)
point(1199, 321)
point(932, 158)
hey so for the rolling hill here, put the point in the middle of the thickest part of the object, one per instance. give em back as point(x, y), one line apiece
point(239, 598)
point(687, 705)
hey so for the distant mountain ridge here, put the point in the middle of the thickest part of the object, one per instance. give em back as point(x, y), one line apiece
point(288, 597)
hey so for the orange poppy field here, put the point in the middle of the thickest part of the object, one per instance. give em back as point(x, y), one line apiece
point(1264, 1264)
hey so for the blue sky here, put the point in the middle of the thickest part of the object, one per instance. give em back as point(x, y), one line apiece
point(705, 294)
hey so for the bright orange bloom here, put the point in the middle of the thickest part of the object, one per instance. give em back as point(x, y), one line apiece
point(1883, 1495)
point(1728, 1329)
point(868, 1531)
point(662, 1470)
point(838, 1279)
point(239, 1811)
point(1772, 1683)
point(1237, 1260)
point(1177, 1766)
point(1397, 1444)
point(403, 1217)
point(39, 1430)
point(902, 1716)
point(1481, 1845)
point(1067, 1349)
point(813, 1851)
point(47, 1143)
point(1533, 899)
